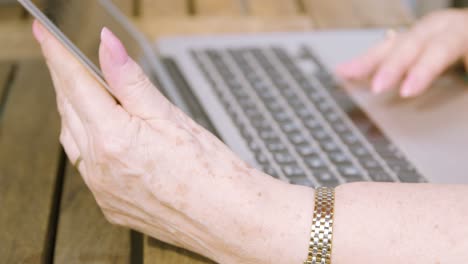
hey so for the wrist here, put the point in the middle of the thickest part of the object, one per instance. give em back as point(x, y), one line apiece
point(275, 227)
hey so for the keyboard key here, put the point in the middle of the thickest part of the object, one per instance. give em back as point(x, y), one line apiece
point(270, 171)
point(293, 170)
point(324, 106)
point(304, 181)
point(312, 123)
point(306, 150)
point(290, 127)
point(267, 135)
point(315, 162)
point(326, 178)
point(275, 146)
point(281, 116)
point(360, 151)
point(254, 146)
point(369, 163)
point(350, 173)
point(380, 176)
point(253, 113)
point(261, 124)
point(329, 145)
point(400, 166)
point(304, 113)
point(284, 157)
point(409, 177)
point(297, 138)
point(340, 127)
point(294, 100)
point(320, 134)
point(339, 157)
point(332, 117)
point(274, 106)
point(350, 139)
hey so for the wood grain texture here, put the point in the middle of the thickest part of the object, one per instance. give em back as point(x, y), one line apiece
point(273, 7)
point(29, 155)
point(163, 8)
point(219, 8)
point(357, 13)
point(159, 252)
point(10, 11)
point(83, 234)
point(16, 40)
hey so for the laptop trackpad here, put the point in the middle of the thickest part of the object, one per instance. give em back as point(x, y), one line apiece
point(432, 129)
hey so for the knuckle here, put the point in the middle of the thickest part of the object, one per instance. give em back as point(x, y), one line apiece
point(109, 147)
point(138, 84)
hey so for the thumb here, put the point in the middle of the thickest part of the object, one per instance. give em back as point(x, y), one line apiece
point(128, 83)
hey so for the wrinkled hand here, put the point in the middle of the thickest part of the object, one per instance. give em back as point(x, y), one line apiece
point(414, 59)
point(153, 169)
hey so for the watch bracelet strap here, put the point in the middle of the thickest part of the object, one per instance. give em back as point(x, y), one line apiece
point(321, 234)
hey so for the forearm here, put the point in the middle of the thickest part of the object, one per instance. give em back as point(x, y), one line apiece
point(259, 220)
point(374, 223)
point(245, 216)
point(400, 223)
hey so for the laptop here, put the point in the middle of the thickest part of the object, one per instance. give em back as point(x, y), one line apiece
point(275, 100)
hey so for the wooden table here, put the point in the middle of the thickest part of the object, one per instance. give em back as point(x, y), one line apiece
point(47, 213)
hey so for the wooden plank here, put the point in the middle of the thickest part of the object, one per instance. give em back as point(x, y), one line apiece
point(158, 252)
point(219, 8)
point(29, 159)
point(9, 12)
point(155, 28)
point(273, 7)
point(163, 8)
point(83, 234)
point(357, 13)
point(16, 40)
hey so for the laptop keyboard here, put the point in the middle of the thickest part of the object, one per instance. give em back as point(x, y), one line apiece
point(302, 128)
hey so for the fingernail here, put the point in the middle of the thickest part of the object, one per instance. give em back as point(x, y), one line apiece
point(408, 92)
point(116, 49)
point(380, 83)
point(407, 87)
point(38, 31)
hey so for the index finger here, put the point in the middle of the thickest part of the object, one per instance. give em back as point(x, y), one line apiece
point(91, 101)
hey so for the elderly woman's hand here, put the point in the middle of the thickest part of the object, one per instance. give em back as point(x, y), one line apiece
point(152, 168)
point(414, 58)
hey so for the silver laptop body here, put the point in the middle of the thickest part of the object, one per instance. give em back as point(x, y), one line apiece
point(430, 131)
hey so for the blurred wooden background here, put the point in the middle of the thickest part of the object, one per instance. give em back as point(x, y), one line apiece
point(169, 17)
point(162, 17)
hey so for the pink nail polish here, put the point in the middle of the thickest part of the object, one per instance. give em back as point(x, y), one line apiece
point(114, 46)
point(409, 87)
point(378, 85)
point(405, 93)
point(38, 31)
